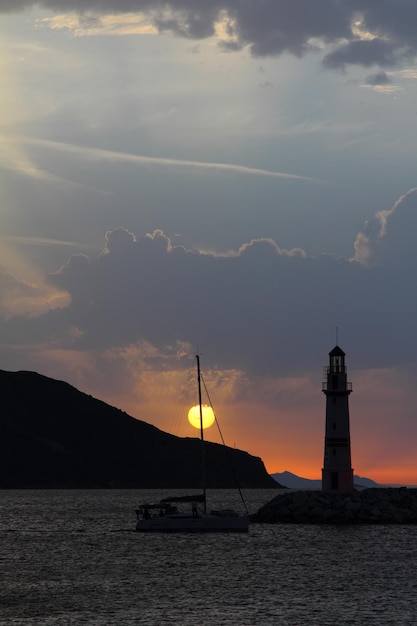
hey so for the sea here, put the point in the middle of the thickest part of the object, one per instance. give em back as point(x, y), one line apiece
point(72, 557)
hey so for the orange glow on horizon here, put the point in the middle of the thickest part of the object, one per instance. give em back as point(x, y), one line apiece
point(285, 430)
point(381, 475)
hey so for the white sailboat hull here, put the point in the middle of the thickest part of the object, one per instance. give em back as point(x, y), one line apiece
point(201, 524)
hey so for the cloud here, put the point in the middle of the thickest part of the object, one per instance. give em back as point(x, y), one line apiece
point(147, 289)
point(361, 32)
point(44, 241)
point(253, 309)
point(381, 78)
point(99, 154)
point(381, 83)
point(19, 298)
point(363, 52)
point(15, 159)
point(388, 239)
point(135, 314)
point(90, 25)
point(24, 290)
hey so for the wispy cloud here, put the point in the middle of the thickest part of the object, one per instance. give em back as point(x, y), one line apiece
point(99, 154)
point(14, 158)
point(23, 289)
point(90, 25)
point(45, 241)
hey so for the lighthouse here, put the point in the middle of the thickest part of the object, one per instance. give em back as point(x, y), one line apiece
point(337, 472)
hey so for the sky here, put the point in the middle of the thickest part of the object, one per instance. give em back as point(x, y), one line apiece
point(233, 178)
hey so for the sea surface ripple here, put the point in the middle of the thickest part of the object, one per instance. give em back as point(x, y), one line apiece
point(72, 557)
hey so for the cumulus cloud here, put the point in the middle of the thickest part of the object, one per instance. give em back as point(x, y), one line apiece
point(261, 308)
point(362, 32)
point(261, 315)
point(389, 238)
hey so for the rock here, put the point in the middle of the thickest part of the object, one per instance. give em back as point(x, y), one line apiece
point(368, 506)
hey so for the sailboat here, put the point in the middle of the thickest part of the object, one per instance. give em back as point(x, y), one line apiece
point(165, 517)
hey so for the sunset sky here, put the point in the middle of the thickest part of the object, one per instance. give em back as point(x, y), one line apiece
point(237, 178)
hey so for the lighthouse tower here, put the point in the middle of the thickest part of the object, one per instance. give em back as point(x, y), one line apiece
point(337, 472)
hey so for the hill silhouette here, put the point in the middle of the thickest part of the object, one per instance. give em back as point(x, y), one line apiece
point(53, 435)
point(292, 481)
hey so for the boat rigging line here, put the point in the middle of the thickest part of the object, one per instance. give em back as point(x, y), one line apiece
point(224, 443)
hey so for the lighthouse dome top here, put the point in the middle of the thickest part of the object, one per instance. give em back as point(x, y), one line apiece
point(337, 352)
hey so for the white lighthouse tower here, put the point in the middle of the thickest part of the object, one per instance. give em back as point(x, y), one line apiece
point(337, 472)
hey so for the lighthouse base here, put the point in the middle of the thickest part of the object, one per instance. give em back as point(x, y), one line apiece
point(336, 479)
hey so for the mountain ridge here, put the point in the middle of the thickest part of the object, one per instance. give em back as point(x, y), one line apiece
point(54, 435)
point(293, 481)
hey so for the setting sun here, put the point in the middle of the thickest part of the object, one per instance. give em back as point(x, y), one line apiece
point(194, 416)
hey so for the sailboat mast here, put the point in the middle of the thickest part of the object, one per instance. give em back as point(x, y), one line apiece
point(203, 459)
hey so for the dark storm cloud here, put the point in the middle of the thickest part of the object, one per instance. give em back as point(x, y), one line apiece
point(263, 309)
point(271, 27)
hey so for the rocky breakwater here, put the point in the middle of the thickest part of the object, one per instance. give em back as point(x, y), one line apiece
point(369, 506)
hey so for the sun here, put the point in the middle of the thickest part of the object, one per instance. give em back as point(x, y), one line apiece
point(194, 416)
